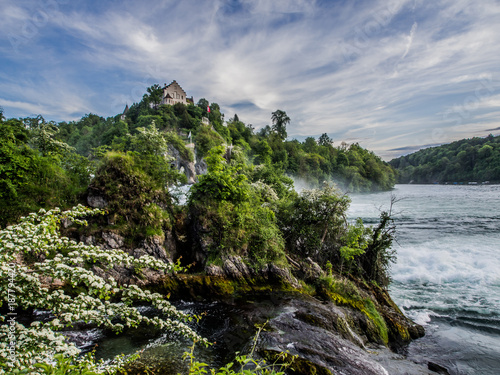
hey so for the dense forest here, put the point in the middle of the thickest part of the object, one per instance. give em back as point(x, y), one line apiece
point(468, 160)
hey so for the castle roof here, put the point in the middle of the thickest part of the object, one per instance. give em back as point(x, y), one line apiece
point(174, 81)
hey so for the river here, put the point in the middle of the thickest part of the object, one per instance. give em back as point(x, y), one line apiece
point(447, 273)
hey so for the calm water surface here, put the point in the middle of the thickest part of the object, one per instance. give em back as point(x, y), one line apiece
point(447, 275)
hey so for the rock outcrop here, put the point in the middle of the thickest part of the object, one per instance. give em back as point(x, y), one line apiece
point(154, 246)
point(328, 339)
point(183, 165)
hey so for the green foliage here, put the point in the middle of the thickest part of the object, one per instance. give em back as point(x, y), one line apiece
point(325, 140)
point(223, 182)
point(65, 366)
point(340, 286)
point(314, 225)
point(474, 159)
point(355, 242)
point(280, 120)
point(245, 229)
point(206, 139)
point(274, 178)
point(176, 142)
point(351, 167)
point(154, 95)
point(312, 222)
point(30, 179)
point(134, 186)
point(42, 137)
point(149, 141)
point(378, 255)
point(230, 210)
point(263, 152)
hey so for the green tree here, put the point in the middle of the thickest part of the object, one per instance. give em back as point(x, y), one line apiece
point(203, 104)
point(232, 216)
point(313, 222)
point(149, 141)
point(325, 140)
point(280, 120)
point(222, 181)
point(154, 95)
point(31, 179)
point(264, 153)
point(43, 136)
point(206, 139)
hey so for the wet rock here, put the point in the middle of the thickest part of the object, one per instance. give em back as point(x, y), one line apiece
point(121, 275)
point(214, 270)
point(437, 368)
point(277, 274)
point(309, 329)
point(311, 269)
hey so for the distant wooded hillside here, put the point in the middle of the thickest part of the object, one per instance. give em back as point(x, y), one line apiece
point(467, 160)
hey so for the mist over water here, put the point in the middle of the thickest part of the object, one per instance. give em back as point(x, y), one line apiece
point(447, 275)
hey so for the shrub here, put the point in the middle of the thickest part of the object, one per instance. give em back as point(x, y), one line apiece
point(32, 253)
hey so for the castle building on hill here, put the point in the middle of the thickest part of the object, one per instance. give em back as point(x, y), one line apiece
point(174, 93)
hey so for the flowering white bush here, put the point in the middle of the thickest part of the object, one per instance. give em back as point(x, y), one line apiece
point(33, 255)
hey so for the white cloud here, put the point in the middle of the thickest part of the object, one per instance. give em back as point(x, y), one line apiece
point(410, 39)
point(24, 106)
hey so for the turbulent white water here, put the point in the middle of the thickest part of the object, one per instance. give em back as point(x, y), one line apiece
point(447, 275)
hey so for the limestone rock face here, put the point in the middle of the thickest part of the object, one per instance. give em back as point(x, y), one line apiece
point(153, 247)
point(201, 167)
point(307, 269)
point(214, 270)
point(278, 274)
point(96, 201)
point(112, 240)
point(181, 164)
point(235, 268)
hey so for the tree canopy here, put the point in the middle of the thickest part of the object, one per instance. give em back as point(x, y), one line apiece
point(468, 160)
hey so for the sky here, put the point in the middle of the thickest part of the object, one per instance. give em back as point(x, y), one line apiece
point(393, 75)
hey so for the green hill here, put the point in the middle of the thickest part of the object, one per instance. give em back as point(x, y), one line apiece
point(474, 159)
point(46, 164)
point(313, 161)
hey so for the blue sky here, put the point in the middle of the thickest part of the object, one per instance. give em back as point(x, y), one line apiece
point(393, 75)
